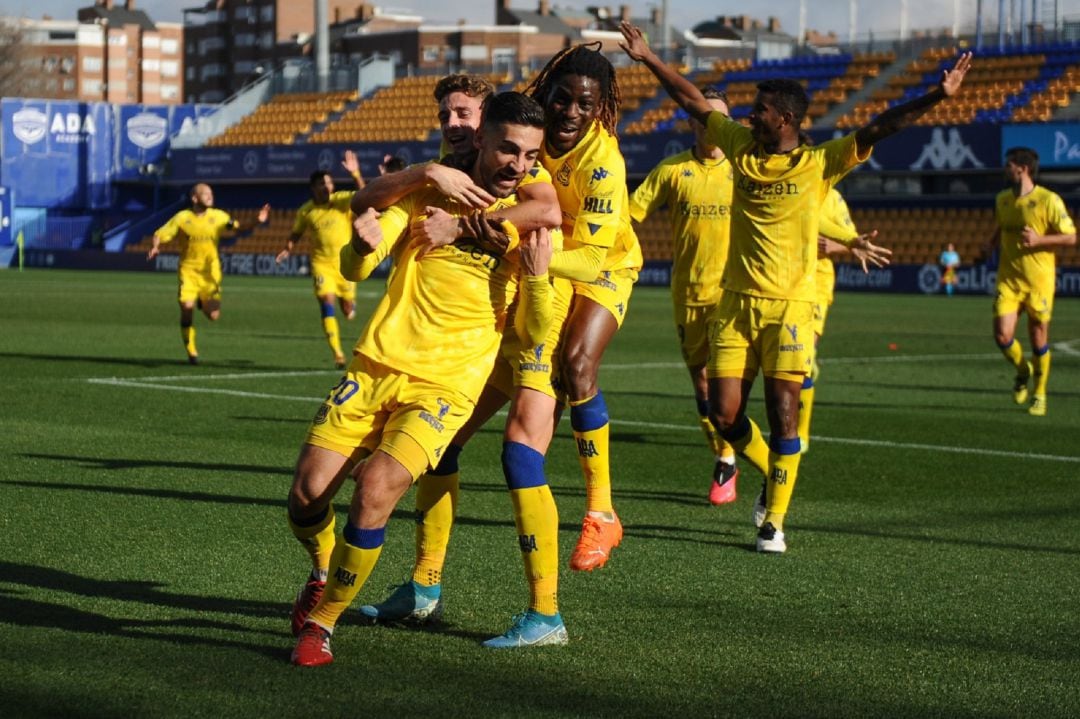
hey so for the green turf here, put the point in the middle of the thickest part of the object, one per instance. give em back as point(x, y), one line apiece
point(146, 569)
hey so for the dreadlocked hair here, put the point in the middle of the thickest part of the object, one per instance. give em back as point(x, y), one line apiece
point(585, 61)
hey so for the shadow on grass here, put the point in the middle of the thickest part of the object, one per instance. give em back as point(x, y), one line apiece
point(151, 362)
point(116, 463)
point(23, 611)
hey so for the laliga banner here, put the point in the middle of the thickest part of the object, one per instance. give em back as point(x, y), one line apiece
point(144, 132)
point(58, 152)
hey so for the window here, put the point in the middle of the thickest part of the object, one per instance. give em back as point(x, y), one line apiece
point(244, 12)
point(430, 53)
point(170, 68)
point(211, 43)
point(266, 13)
point(117, 39)
point(151, 41)
point(151, 65)
point(267, 40)
point(170, 46)
point(170, 92)
point(474, 52)
point(212, 70)
point(67, 65)
point(244, 39)
point(68, 84)
point(190, 74)
point(49, 64)
point(243, 67)
point(91, 87)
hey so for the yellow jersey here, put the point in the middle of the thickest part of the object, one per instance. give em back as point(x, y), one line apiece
point(442, 317)
point(698, 196)
point(590, 181)
point(835, 209)
point(775, 206)
point(328, 227)
point(1041, 210)
point(199, 235)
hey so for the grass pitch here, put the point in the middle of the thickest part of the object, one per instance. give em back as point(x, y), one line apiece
point(146, 569)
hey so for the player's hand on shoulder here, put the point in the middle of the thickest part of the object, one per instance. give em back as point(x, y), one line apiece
point(458, 186)
point(535, 252)
point(436, 229)
point(487, 232)
point(367, 233)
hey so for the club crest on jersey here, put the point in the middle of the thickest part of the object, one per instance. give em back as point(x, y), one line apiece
point(563, 175)
point(320, 415)
point(793, 330)
point(537, 365)
point(434, 421)
point(795, 345)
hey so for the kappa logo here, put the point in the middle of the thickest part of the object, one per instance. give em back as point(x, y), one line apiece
point(29, 125)
point(941, 153)
point(599, 174)
point(621, 308)
point(147, 130)
point(687, 173)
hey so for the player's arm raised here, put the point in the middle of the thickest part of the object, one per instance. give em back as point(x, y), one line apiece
point(897, 118)
point(678, 87)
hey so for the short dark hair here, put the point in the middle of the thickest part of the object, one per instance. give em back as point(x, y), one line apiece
point(394, 164)
point(316, 177)
point(512, 108)
point(715, 93)
point(1025, 157)
point(787, 96)
point(471, 85)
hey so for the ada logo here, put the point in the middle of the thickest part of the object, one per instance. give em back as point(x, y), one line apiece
point(147, 130)
point(29, 125)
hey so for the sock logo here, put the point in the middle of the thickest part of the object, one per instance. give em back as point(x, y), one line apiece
point(527, 542)
point(779, 476)
point(345, 577)
point(587, 448)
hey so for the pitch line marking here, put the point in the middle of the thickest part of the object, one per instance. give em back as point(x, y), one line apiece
point(143, 384)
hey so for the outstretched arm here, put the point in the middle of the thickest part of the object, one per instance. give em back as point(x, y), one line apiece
point(897, 118)
point(681, 90)
point(351, 163)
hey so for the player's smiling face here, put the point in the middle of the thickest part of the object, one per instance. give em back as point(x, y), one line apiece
point(569, 109)
point(765, 120)
point(507, 152)
point(459, 118)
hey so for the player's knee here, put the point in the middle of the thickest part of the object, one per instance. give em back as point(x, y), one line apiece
point(580, 370)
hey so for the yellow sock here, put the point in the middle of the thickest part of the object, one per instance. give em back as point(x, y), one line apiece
point(318, 539)
point(1041, 362)
point(537, 521)
point(351, 564)
point(333, 338)
point(436, 506)
point(750, 444)
point(783, 471)
point(1014, 353)
point(187, 334)
point(589, 419)
point(806, 408)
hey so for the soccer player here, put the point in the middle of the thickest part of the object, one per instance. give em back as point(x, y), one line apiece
point(417, 369)
point(765, 317)
point(696, 187)
point(1032, 221)
point(949, 261)
point(835, 229)
point(327, 220)
point(580, 95)
point(200, 229)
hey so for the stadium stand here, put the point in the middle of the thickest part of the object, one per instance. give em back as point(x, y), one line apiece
point(282, 119)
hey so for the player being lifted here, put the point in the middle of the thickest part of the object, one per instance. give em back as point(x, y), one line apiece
point(765, 317)
point(1032, 221)
point(416, 372)
point(201, 230)
point(696, 186)
point(580, 95)
point(327, 221)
